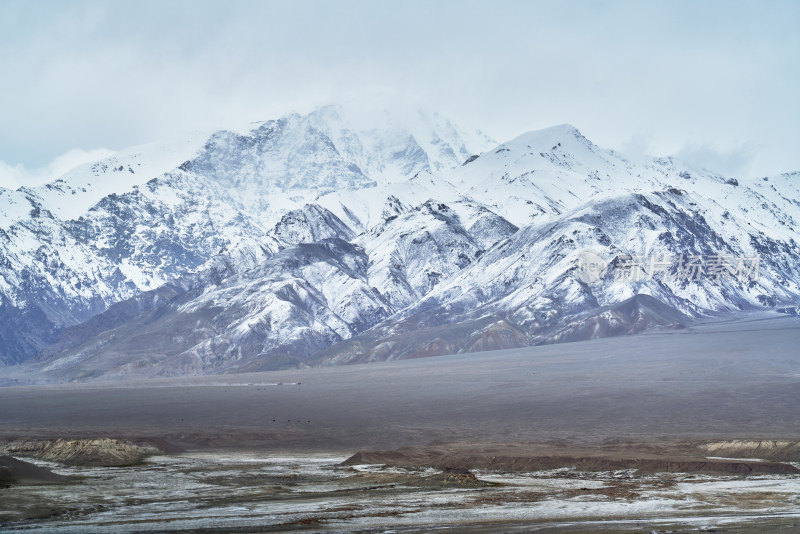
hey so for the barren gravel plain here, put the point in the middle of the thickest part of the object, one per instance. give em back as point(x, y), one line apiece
point(661, 431)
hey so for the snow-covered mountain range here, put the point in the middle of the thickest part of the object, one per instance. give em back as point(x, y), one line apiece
point(322, 238)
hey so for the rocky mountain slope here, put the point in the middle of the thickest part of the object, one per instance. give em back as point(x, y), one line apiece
point(110, 230)
point(320, 239)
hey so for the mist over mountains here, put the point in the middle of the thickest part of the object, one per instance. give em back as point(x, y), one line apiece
point(329, 238)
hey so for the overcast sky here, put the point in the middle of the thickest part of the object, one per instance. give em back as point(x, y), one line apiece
point(714, 82)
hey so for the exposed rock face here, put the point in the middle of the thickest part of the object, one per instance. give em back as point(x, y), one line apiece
point(459, 477)
point(104, 452)
point(775, 450)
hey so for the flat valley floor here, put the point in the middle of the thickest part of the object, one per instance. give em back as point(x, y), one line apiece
point(264, 452)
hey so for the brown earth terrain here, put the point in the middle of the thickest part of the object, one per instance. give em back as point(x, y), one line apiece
point(708, 400)
point(715, 382)
point(14, 471)
point(641, 457)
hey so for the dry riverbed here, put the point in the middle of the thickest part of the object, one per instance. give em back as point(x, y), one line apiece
point(380, 491)
point(634, 434)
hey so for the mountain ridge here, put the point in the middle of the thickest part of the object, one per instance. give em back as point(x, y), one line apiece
point(272, 247)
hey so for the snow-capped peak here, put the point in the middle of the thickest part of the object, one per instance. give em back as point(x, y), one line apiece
point(308, 229)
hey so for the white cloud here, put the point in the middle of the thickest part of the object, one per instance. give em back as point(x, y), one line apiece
point(116, 74)
point(14, 176)
point(734, 161)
